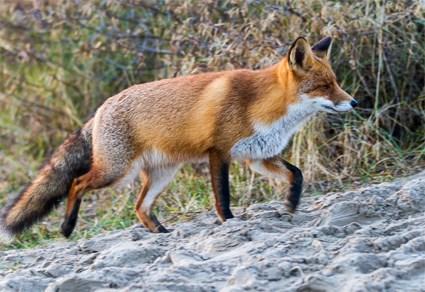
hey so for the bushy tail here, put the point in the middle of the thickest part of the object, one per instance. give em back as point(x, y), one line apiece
point(72, 159)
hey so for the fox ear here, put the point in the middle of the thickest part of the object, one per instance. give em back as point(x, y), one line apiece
point(321, 48)
point(300, 55)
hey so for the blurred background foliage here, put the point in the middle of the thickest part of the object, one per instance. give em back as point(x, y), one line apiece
point(60, 59)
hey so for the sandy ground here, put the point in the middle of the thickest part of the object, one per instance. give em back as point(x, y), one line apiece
point(371, 239)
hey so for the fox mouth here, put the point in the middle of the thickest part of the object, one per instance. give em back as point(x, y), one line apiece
point(327, 105)
point(335, 109)
point(329, 108)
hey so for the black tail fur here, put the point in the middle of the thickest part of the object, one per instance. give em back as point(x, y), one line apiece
point(72, 159)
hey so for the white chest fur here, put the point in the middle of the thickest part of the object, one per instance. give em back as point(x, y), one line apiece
point(270, 140)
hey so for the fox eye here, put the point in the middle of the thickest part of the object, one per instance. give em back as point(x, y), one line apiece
point(321, 87)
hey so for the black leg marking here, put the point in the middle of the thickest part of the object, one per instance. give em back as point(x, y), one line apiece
point(224, 191)
point(296, 187)
point(219, 169)
point(159, 227)
point(70, 221)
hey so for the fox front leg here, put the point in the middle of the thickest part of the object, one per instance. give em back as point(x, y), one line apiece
point(219, 169)
point(279, 168)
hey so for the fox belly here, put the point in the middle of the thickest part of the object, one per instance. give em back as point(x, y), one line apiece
point(270, 140)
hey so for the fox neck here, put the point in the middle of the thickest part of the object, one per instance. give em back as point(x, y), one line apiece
point(269, 140)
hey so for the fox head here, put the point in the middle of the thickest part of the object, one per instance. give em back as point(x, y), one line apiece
point(315, 82)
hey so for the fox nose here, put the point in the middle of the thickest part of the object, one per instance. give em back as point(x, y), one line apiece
point(354, 103)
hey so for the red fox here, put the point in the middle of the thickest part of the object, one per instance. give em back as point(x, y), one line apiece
point(151, 129)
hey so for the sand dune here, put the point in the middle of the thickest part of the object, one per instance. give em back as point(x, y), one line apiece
point(371, 239)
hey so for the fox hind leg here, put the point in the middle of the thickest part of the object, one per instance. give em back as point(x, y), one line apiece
point(71, 214)
point(280, 169)
point(154, 182)
point(96, 178)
